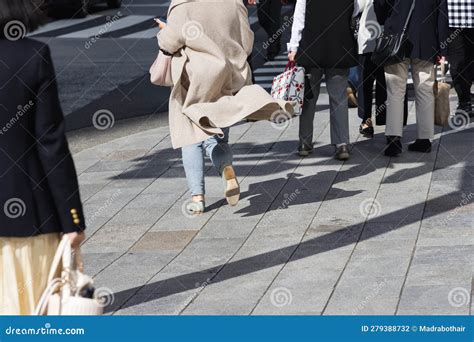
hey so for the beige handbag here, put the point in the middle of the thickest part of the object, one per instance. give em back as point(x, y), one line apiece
point(64, 295)
point(160, 71)
point(442, 107)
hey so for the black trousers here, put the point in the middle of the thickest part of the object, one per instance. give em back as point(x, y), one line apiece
point(269, 17)
point(373, 73)
point(461, 58)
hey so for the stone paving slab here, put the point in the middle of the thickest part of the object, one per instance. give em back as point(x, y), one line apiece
point(372, 235)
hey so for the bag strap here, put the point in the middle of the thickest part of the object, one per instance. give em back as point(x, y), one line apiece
point(57, 258)
point(407, 21)
point(290, 65)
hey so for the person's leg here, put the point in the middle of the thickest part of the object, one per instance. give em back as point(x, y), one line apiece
point(396, 76)
point(336, 81)
point(457, 55)
point(380, 96)
point(354, 84)
point(423, 79)
point(193, 162)
point(312, 88)
point(469, 35)
point(368, 78)
point(219, 151)
point(25, 264)
point(275, 14)
point(269, 14)
point(263, 14)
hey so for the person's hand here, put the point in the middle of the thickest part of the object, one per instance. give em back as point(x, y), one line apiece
point(291, 56)
point(160, 24)
point(441, 60)
point(76, 239)
point(252, 2)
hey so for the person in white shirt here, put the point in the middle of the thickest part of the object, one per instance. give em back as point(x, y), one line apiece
point(326, 47)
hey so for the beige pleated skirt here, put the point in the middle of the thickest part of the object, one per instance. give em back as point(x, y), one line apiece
point(24, 268)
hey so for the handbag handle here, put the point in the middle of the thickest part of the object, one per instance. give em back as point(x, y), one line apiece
point(64, 253)
point(290, 65)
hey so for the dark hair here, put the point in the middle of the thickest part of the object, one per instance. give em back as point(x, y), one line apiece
point(19, 17)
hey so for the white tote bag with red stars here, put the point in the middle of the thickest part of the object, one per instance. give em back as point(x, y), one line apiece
point(289, 86)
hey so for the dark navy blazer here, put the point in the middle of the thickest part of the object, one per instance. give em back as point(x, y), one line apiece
point(38, 183)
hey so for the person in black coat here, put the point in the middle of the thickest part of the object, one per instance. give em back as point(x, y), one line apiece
point(427, 30)
point(39, 193)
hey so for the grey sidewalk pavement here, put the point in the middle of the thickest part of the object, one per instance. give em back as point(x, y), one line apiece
point(310, 236)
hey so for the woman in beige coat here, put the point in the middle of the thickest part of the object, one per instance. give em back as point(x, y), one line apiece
point(210, 42)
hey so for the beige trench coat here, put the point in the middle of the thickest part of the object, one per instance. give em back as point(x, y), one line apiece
point(210, 41)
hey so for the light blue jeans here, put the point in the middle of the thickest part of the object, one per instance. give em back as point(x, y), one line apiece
point(217, 149)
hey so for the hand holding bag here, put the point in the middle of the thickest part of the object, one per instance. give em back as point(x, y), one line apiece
point(289, 86)
point(65, 296)
point(160, 71)
point(388, 47)
point(442, 107)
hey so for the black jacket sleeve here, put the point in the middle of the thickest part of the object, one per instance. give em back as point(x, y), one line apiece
point(443, 26)
point(53, 149)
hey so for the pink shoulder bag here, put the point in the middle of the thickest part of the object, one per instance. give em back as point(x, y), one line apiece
point(160, 71)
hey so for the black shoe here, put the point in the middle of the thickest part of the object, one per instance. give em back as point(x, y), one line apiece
point(394, 146)
point(366, 128)
point(465, 108)
point(420, 145)
point(304, 150)
point(342, 152)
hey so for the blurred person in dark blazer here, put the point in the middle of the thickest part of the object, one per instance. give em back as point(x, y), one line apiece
point(423, 47)
point(39, 196)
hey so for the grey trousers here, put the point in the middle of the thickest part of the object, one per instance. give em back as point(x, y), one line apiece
point(336, 83)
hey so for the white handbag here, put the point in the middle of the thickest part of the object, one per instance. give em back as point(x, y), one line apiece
point(64, 296)
point(289, 86)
